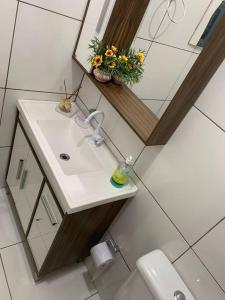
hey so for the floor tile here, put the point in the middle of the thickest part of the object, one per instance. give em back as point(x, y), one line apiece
point(68, 284)
point(4, 291)
point(9, 234)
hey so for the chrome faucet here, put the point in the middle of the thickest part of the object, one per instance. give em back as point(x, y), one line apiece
point(96, 138)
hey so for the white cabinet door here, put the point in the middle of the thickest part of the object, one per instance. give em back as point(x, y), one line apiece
point(18, 160)
point(97, 18)
point(24, 178)
point(45, 225)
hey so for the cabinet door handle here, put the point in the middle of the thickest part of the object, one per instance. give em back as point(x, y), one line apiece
point(102, 16)
point(19, 169)
point(23, 179)
point(49, 211)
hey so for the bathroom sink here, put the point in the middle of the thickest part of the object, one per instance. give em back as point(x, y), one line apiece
point(71, 148)
point(78, 170)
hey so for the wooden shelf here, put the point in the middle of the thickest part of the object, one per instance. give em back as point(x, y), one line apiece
point(129, 106)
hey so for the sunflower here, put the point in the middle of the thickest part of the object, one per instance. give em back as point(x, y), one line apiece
point(109, 52)
point(123, 58)
point(111, 64)
point(140, 57)
point(97, 61)
point(114, 49)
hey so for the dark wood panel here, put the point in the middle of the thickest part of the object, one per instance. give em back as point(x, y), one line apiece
point(204, 68)
point(77, 234)
point(141, 119)
point(124, 22)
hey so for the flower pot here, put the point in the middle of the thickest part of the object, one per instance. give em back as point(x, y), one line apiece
point(117, 80)
point(101, 76)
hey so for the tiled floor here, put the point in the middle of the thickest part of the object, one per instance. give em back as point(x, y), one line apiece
point(16, 282)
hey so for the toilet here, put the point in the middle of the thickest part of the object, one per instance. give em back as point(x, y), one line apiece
point(154, 279)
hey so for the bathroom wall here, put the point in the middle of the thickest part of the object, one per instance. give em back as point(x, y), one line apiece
point(180, 206)
point(37, 42)
point(169, 55)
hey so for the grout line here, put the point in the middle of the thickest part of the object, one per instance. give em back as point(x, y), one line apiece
point(160, 100)
point(209, 118)
point(10, 56)
point(91, 296)
point(3, 248)
point(49, 10)
point(173, 262)
point(208, 270)
point(162, 208)
point(211, 229)
point(6, 277)
point(2, 147)
point(36, 91)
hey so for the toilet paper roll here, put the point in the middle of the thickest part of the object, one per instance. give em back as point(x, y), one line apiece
point(101, 256)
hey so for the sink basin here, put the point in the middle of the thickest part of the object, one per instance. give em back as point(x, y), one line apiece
point(71, 148)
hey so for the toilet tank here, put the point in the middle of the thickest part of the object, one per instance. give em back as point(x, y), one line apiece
point(154, 279)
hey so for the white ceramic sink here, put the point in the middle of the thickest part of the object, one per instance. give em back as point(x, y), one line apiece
point(83, 181)
point(65, 137)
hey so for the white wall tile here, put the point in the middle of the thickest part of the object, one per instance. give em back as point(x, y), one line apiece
point(185, 71)
point(9, 111)
point(178, 35)
point(4, 156)
point(7, 17)
point(186, 175)
point(4, 292)
point(142, 227)
point(139, 43)
point(211, 249)
point(42, 51)
point(152, 19)
point(89, 93)
point(197, 278)
point(211, 101)
point(154, 105)
point(163, 65)
point(120, 133)
point(71, 8)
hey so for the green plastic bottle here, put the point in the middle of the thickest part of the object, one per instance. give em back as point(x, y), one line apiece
point(121, 174)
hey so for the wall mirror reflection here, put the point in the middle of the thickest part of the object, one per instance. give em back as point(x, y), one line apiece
point(173, 34)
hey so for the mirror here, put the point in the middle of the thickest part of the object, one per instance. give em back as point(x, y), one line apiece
point(171, 33)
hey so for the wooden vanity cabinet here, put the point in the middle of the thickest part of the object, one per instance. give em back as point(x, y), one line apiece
point(53, 238)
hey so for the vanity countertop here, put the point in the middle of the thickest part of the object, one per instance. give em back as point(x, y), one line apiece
point(82, 189)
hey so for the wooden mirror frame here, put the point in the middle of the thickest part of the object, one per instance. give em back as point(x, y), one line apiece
point(121, 30)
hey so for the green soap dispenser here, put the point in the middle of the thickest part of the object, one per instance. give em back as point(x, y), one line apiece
point(121, 174)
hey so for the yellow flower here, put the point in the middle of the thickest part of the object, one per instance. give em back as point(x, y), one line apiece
point(123, 58)
point(109, 53)
point(140, 56)
point(97, 61)
point(111, 64)
point(114, 49)
point(130, 66)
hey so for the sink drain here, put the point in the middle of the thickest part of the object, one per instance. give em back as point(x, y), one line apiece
point(64, 156)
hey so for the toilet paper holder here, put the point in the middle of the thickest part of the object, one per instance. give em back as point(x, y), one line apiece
point(114, 248)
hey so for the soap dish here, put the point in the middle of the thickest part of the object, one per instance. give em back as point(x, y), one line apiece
point(67, 114)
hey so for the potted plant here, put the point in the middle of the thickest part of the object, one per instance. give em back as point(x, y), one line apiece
point(125, 66)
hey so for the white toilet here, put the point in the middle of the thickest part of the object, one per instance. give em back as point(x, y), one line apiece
point(154, 279)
